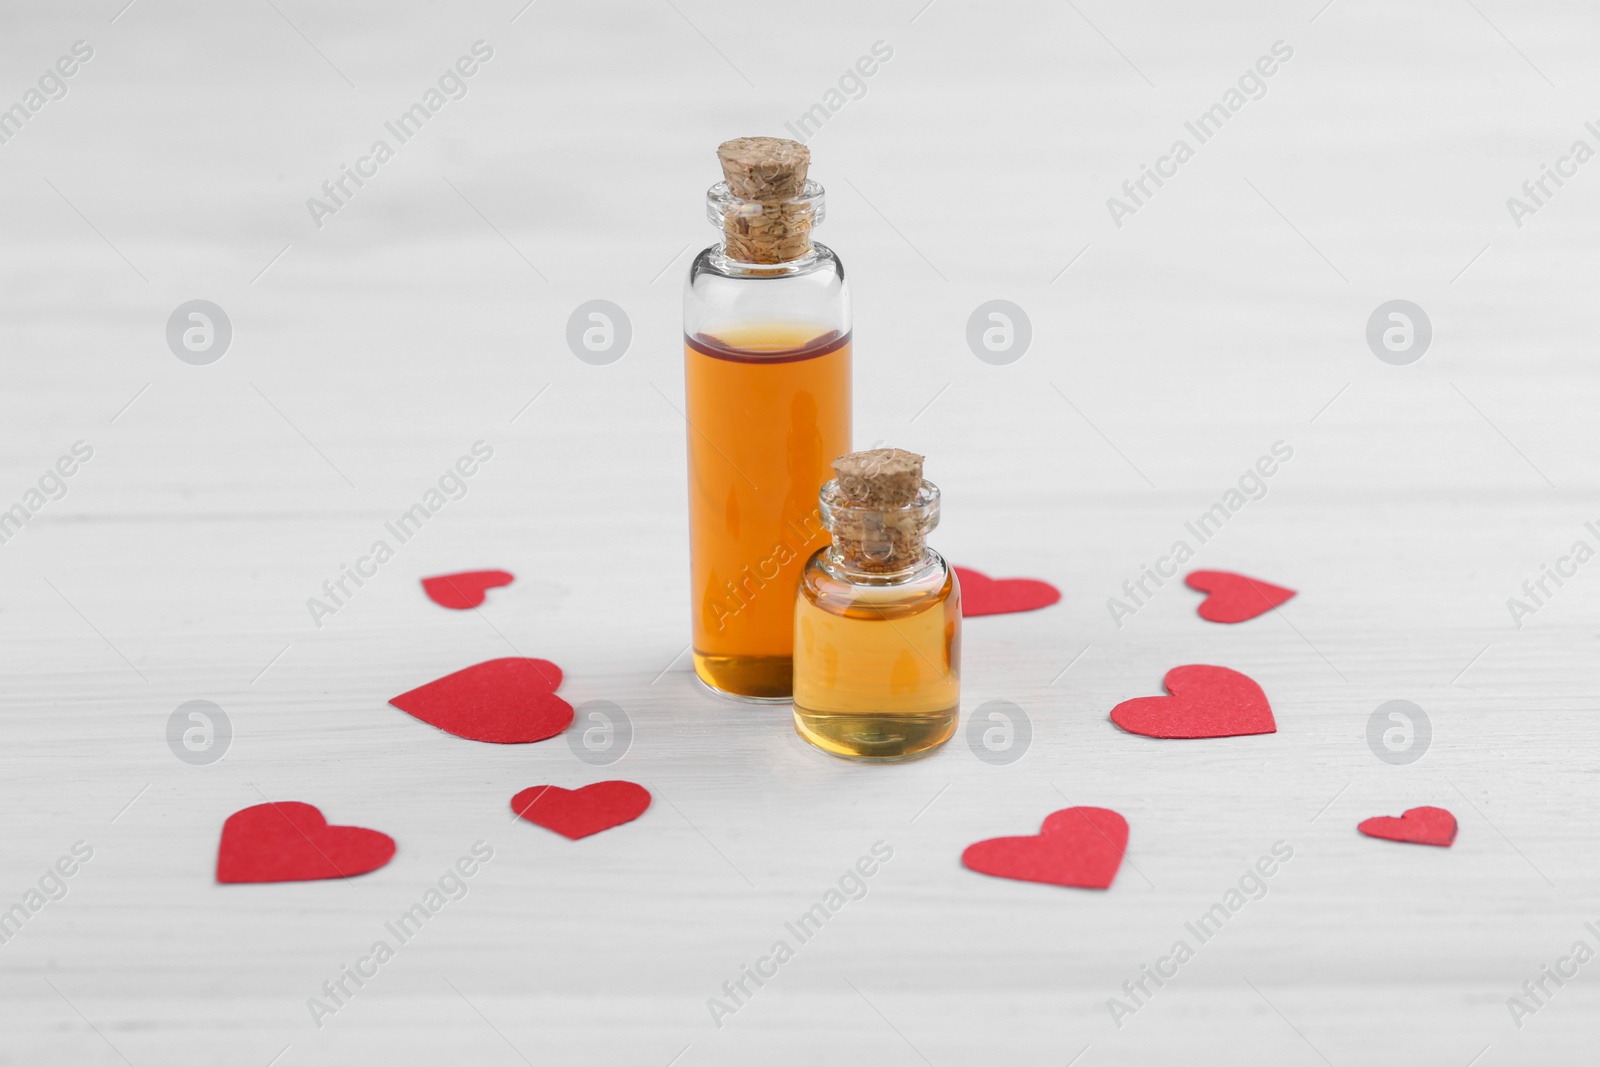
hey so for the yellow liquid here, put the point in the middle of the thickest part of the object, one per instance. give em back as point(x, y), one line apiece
point(769, 411)
point(877, 669)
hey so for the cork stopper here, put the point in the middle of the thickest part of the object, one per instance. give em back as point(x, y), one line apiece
point(880, 510)
point(879, 477)
point(766, 169)
point(773, 224)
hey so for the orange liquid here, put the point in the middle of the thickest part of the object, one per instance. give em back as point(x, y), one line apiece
point(769, 412)
point(877, 669)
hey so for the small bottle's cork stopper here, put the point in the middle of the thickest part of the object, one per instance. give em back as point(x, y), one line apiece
point(879, 477)
point(875, 528)
point(769, 173)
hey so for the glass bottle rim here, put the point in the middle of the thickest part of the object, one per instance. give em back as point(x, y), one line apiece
point(924, 506)
point(721, 204)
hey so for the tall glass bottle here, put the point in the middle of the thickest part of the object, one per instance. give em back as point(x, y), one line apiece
point(766, 322)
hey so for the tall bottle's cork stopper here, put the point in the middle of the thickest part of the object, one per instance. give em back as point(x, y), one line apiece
point(767, 169)
point(773, 225)
point(880, 510)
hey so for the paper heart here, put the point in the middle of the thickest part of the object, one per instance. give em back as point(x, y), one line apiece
point(575, 813)
point(1079, 847)
point(1418, 826)
point(505, 701)
point(983, 595)
point(291, 842)
point(1235, 597)
point(464, 590)
point(1205, 702)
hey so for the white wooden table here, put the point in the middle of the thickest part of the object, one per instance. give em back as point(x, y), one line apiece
point(429, 311)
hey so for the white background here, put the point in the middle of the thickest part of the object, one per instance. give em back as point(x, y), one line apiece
point(1226, 315)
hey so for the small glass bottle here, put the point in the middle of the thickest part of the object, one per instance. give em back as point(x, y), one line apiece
point(766, 322)
point(877, 618)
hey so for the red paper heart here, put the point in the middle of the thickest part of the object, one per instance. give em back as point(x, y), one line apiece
point(507, 701)
point(464, 590)
point(1235, 597)
point(982, 595)
point(1205, 702)
point(576, 813)
point(1418, 826)
point(292, 842)
point(1080, 847)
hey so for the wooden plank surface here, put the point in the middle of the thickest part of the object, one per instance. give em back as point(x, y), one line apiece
point(1224, 315)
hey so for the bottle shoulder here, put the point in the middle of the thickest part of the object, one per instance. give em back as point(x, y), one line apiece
point(931, 585)
point(821, 260)
point(717, 293)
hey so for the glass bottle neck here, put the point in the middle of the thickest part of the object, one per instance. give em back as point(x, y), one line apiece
point(765, 239)
point(878, 545)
